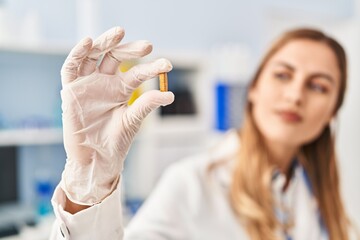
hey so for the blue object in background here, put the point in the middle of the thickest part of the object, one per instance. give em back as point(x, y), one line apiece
point(230, 103)
point(222, 111)
point(44, 191)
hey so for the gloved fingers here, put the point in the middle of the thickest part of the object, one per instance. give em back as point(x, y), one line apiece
point(142, 72)
point(101, 45)
point(146, 103)
point(127, 51)
point(69, 70)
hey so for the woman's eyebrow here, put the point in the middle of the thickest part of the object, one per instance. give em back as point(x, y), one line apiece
point(323, 75)
point(313, 75)
point(285, 64)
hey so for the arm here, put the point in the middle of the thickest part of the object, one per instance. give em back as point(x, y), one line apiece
point(99, 127)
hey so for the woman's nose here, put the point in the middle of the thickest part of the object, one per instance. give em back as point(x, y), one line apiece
point(294, 93)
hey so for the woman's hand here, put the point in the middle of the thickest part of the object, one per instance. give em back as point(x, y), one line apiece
point(98, 124)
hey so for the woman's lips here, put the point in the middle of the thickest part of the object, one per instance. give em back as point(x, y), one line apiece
point(290, 116)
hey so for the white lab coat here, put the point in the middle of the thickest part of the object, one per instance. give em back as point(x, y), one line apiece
point(189, 202)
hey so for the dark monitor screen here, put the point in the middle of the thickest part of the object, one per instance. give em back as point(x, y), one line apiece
point(8, 175)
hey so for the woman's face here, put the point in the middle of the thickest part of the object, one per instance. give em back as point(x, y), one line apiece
point(296, 93)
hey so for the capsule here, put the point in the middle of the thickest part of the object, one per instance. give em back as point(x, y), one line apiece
point(163, 82)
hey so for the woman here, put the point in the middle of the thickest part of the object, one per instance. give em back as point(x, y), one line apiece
point(276, 178)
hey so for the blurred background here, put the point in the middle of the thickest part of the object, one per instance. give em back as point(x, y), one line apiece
point(214, 47)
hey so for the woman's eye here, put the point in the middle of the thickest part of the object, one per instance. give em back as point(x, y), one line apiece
point(317, 88)
point(282, 76)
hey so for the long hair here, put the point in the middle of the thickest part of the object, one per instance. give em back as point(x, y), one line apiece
point(250, 192)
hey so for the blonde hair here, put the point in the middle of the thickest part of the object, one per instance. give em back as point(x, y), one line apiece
point(250, 192)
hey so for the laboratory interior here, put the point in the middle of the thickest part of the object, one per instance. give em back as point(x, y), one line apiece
point(214, 47)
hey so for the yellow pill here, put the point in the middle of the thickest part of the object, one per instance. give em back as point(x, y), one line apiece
point(163, 81)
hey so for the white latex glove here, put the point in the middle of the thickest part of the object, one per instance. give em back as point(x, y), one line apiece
point(98, 124)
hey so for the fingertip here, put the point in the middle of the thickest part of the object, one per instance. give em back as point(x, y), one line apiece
point(118, 29)
point(169, 98)
point(164, 98)
point(157, 97)
point(169, 94)
point(118, 33)
point(86, 42)
point(165, 64)
point(139, 47)
point(148, 47)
